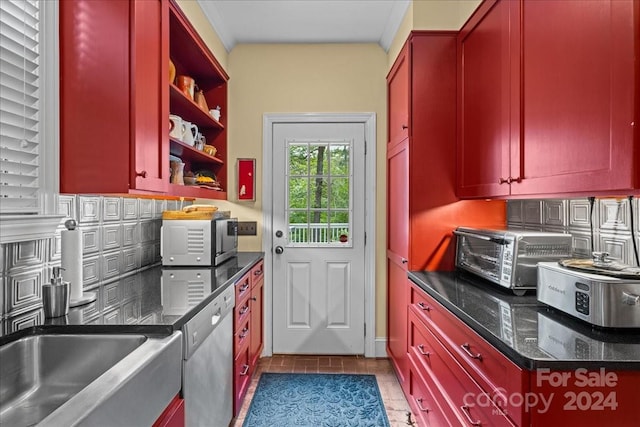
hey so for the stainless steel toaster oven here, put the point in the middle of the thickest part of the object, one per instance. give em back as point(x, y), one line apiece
point(509, 257)
point(198, 242)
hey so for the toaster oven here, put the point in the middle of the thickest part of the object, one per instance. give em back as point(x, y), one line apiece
point(198, 242)
point(509, 257)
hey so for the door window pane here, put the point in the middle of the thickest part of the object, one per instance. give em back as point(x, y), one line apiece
point(298, 193)
point(319, 192)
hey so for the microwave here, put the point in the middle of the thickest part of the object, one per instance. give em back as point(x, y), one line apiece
point(198, 242)
point(509, 257)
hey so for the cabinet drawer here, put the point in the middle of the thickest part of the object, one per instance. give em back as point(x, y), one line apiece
point(243, 289)
point(496, 374)
point(257, 273)
point(423, 402)
point(420, 346)
point(427, 308)
point(241, 377)
point(241, 338)
point(467, 399)
point(241, 313)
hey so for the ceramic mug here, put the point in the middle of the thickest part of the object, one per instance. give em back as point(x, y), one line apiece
point(176, 127)
point(190, 133)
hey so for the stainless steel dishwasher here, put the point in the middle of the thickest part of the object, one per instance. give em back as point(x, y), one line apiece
point(207, 377)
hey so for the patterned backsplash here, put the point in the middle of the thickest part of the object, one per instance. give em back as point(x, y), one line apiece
point(612, 224)
point(120, 236)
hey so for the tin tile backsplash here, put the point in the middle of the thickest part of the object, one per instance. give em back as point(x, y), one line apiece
point(120, 235)
point(612, 225)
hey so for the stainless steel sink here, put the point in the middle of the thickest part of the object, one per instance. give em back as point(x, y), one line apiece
point(67, 379)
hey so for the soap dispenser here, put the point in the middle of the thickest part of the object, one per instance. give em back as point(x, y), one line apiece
point(55, 295)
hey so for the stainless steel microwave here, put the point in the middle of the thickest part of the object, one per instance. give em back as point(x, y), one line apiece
point(198, 242)
point(509, 257)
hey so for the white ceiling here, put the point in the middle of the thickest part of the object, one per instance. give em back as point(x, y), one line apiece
point(305, 21)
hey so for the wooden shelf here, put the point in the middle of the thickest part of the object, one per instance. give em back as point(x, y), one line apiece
point(184, 107)
point(192, 57)
point(191, 154)
point(196, 191)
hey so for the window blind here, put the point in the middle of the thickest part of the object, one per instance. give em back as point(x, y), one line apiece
point(19, 106)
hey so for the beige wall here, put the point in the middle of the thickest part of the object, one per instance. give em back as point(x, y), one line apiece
point(196, 16)
point(314, 78)
point(431, 15)
point(305, 78)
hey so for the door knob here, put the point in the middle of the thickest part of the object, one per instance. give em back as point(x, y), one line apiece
point(279, 249)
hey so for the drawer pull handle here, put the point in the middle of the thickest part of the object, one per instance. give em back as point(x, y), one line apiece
point(244, 333)
point(424, 307)
point(467, 349)
point(257, 272)
point(245, 370)
point(419, 403)
point(244, 309)
point(422, 352)
point(244, 287)
point(465, 411)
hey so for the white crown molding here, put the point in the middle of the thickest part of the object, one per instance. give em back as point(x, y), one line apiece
point(21, 228)
point(217, 22)
point(396, 16)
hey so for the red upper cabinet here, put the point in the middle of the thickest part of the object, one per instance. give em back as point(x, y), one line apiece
point(487, 82)
point(113, 96)
point(398, 98)
point(579, 85)
point(548, 100)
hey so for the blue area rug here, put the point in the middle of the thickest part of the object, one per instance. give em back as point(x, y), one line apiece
point(314, 400)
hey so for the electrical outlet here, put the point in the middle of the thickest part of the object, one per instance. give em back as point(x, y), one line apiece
point(247, 228)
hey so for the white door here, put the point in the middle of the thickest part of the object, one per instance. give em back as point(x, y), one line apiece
point(318, 238)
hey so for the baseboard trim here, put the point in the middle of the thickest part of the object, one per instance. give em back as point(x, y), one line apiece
point(381, 347)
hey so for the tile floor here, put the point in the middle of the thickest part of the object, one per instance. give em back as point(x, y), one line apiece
point(394, 401)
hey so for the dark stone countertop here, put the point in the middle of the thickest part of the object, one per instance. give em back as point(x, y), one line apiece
point(134, 304)
point(528, 332)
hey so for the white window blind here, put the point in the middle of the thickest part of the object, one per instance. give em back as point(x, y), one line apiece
point(20, 106)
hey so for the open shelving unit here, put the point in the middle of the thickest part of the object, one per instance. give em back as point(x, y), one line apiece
point(193, 58)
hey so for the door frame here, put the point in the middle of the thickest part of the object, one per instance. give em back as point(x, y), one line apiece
point(369, 121)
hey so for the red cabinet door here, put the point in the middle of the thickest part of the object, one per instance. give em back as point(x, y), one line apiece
point(398, 199)
point(94, 98)
point(114, 96)
point(173, 415)
point(397, 254)
point(578, 96)
point(487, 80)
point(256, 325)
point(398, 91)
point(150, 95)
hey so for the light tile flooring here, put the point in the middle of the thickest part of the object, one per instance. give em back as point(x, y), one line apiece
point(394, 401)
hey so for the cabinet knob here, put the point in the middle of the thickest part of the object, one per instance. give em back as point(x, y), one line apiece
point(503, 181)
point(143, 174)
point(404, 260)
point(405, 127)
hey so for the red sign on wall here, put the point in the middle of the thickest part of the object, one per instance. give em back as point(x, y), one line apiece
point(246, 179)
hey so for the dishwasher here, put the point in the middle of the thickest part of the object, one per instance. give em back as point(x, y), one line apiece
point(207, 371)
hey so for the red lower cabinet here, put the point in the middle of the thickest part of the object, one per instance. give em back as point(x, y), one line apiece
point(456, 377)
point(247, 331)
point(173, 415)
